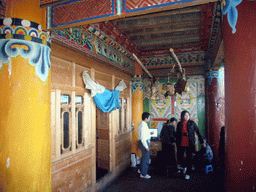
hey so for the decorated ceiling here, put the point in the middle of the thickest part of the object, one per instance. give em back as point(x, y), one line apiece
point(146, 28)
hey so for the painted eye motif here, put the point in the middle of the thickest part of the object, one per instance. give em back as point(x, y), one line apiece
point(43, 36)
point(20, 31)
point(33, 34)
point(7, 31)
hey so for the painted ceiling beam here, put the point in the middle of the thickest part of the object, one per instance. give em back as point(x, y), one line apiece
point(64, 15)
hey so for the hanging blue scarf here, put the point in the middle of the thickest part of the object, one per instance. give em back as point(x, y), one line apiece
point(108, 100)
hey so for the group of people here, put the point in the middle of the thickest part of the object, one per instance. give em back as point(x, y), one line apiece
point(174, 134)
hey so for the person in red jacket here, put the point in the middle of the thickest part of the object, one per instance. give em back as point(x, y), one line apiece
point(185, 140)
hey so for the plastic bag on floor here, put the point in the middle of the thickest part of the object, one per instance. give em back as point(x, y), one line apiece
point(133, 160)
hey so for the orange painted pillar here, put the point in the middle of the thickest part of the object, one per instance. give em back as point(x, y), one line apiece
point(25, 85)
point(239, 32)
point(137, 107)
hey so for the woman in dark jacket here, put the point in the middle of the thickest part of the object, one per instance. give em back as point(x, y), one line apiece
point(185, 140)
point(168, 139)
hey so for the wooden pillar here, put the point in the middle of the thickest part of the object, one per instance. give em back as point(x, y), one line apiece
point(215, 105)
point(137, 106)
point(240, 94)
point(25, 85)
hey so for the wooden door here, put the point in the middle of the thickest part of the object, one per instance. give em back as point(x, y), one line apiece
point(102, 138)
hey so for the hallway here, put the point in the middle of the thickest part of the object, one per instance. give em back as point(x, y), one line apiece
point(129, 180)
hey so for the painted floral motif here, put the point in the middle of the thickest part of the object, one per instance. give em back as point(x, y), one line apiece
point(78, 36)
point(229, 8)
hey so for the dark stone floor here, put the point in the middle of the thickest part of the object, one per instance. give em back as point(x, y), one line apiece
point(130, 180)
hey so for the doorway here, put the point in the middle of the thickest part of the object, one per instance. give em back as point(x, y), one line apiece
point(102, 143)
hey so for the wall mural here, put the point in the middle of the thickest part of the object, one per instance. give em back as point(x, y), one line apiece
point(25, 38)
point(85, 41)
point(162, 108)
point(187, 101)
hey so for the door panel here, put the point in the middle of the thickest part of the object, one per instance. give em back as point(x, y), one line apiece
point(102, 130)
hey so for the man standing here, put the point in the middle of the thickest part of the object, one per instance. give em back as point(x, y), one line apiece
point(144, 143)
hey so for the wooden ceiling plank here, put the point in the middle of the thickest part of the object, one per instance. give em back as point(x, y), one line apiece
point(158, 25)
point(171, 45)
point(163, 31)
point(179, 38)
point(166, 13)
point(172, 42)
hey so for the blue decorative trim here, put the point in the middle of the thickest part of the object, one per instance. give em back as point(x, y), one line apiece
point(229, 8)
point(215, 74)
point(155, 6)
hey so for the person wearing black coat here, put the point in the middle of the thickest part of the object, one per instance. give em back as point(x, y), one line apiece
point(168, 139)
point(185, 140)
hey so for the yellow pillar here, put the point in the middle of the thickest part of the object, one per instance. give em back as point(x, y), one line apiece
point(137, 107)
point(25, 84)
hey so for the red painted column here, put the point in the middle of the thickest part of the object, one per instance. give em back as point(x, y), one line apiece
point(240, 100)
point(215, 109)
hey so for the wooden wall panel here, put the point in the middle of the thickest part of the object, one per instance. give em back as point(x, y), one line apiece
point(104, 79)
point(126, 92)
point(123, 148)
point(71, 55)
point(77, 172)
point(61, 71)
point(79, 76)
point(73, 173)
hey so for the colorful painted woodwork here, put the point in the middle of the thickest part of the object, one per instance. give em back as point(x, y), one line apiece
point(101, 46)
point(77, 11)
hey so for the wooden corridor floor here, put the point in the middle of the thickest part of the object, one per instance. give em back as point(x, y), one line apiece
point(130, 180)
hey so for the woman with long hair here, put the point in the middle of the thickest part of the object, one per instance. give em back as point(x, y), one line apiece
point(185, 140)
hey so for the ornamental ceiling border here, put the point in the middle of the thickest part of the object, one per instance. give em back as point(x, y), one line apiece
point(83, 40)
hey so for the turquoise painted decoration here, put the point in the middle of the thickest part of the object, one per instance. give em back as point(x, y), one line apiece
point(136, 85)
point(38, 55)
point(119, 7)
point(25, 38)
point(229, 8)
point(215, 74)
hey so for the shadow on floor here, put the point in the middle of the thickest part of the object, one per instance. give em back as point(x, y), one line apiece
point(100, 173)
point(130, 180)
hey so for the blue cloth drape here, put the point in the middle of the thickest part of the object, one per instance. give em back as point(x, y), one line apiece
point(108, 100)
